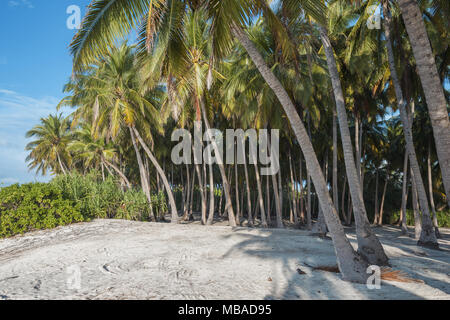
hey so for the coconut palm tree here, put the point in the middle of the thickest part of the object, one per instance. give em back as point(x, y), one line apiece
point(368, 244)
point(94, 152)
point(431, 84)
point(49, 149)
point(428, 236)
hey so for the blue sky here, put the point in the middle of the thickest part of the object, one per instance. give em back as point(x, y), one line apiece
point(34, 65)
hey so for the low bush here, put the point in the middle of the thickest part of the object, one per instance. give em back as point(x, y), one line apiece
point(70, 199)
point(443, 218)
point(35, 206)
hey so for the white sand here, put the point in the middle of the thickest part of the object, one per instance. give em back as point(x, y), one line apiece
point(133, 260)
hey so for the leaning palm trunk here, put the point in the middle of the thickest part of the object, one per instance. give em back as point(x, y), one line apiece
point(380, 222)
point(417, 222)
point(352, 266)
point(344, 216)
point(432, 87)
point(144, 181)
point(430, 191)
point(173, 207)
point(368, 244)
point(428, 236)
point(335, 169)
point(119, 172)
point(60, 164)
point(226, 185)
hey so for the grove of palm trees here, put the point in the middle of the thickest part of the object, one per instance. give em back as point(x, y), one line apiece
point(362, 113)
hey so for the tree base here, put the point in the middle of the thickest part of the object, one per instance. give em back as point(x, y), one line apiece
point(428, 244)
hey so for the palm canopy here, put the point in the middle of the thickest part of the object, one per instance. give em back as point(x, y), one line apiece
point(107, 21)
point(49, 149)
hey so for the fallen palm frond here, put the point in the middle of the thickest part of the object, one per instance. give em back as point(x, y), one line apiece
point(388, 274)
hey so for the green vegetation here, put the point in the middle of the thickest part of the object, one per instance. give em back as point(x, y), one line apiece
point(70, 199)
point(443, 218)
point(35, 206)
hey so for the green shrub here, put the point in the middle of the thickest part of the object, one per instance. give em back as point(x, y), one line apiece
point(71, 198)
point(443, 218)
point(35, 206)
point(134, 206)
point(97, 199)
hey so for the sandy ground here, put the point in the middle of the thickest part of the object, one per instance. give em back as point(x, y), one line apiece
point(133, 260)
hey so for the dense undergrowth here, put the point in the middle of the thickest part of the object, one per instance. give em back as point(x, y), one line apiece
point(70, 199)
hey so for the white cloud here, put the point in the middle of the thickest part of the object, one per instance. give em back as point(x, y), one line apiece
point(18, 114)
point(16, 3)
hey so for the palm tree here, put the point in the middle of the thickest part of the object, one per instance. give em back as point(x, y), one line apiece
point(431, 84)
point(49, 151)
point(368, 244)
point(428, 236)
point(94, 152)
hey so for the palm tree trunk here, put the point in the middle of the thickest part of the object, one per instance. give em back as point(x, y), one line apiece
point(103, 172)
point(191, 200)
point(268, 206)
point(344, 217)
point(335, 169)
point(377, 212)
point(349, 208)
point(60, 164)
point(211, 196)
point(280, 191)
point(173, 207)
point(432, 87)
point(357, 146)
point(309, 202)
point(301, 198)
point(428, 236)
point(294, 197)
point(369, 245)
point(351, 265)
point(220, 202)
point(119, 172)
point(188, 190)
point(430, 191)
point(320, 228)
point(404, 195)
point(249, 200)
point(277, 202)
point(417, 221)
point(380, 222)
point(236, 188)
point(202, 193)
point(144, 181)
